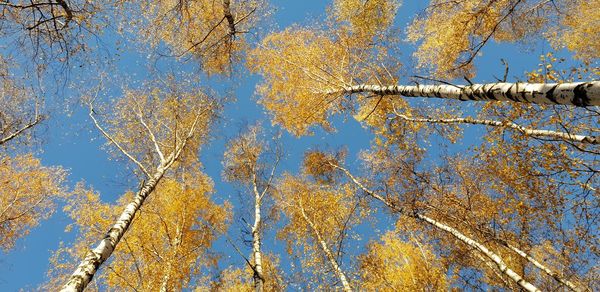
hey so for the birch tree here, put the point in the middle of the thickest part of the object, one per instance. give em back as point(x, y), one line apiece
point(451, 34)
point(245, 163)
point(488, 225)
point(169, 248)
point(212, 32)
point(320, 217)
point(28, 195)
point(155, 131)
point(29, 190)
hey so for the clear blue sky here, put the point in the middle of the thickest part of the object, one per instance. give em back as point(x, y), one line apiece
point(74, 145)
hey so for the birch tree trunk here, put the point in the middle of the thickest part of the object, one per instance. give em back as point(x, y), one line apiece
point(336, 268)
point(491, 255)
point(95, 257)
point(527, 131)
point(259, 280)
point(579, 94)
point(497, 260)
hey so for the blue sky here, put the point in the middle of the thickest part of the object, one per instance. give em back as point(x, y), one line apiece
point(71, 142)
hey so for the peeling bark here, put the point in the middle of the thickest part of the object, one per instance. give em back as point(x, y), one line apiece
point(579, 94)
point(227, 14)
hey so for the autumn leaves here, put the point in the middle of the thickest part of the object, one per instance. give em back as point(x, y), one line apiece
point(468, 192)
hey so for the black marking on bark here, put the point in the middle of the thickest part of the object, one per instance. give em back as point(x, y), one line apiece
point(580, 97)
point(550, 94)
point(509, 94)
point(489, 93)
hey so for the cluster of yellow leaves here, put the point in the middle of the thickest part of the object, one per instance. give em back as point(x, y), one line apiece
point(168, 245)
point(312, 208)
point(298, 66)
point(201, 28)
point(18, 107)
point(452, 33)
point(396, 265)
point(165, 114)
point(28, 194)
point(236, 279)
point(304, 68)
point(240, 161)
point(580, 29)
point(366, 18)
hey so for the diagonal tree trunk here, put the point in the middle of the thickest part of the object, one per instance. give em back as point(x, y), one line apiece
point(336, 268)
point(525, 130)
point(497, 260)
point(94, 258)
point(579, 94)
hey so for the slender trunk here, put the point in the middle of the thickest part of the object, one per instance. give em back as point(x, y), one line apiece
point(259, 280)
point(576, 93)
point(508, 124)
point(336, 268)
point(164, 287)
point(540, 266)
point(95, 257)
point(19, 131)
point(227, 14)
point(455, 233)
point(491, 255)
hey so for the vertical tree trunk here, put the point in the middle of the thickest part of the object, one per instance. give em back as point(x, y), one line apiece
point(95, 257)
point(336, 268)
point(259, 280)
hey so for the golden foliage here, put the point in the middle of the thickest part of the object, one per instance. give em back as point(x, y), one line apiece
point(452, 33)
point(165, 114)
point(311, 209)
point(201, 28)
point(580, 30)
point(240, 160)
point(395, 265)
point(298, 64)
point(236, 279)
point(28, 195)
point(366, 18)
point(168, 245)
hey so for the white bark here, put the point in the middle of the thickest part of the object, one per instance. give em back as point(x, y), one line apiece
point(497, 260)
point(525, 130)
point(491, 255)
point(542, 267)
point(336, 268)
point(576, 93)
point(95, 257)
point(259, 280)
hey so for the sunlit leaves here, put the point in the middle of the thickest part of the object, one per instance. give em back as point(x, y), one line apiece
point(298, 65)
point(452, 33)
point(143, 122)
point(395, 265)
point(169, 243)
point(28, 193)
point(202, 29)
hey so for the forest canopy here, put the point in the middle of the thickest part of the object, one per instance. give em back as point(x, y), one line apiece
point(255, 145)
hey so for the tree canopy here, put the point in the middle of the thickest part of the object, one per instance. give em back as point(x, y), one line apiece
point(259, 145)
